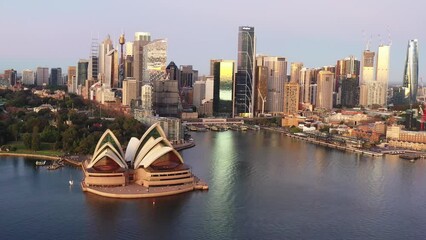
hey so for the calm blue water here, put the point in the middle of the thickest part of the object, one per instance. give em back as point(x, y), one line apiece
point(263, 185)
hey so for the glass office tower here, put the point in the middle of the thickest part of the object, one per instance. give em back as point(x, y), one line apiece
point(411, 72)
point(223, 77)
point(244, 78)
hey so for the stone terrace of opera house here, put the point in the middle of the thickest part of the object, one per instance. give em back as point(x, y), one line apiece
point(150, 167)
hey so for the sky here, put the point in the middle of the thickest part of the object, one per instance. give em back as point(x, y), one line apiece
point(54, 33)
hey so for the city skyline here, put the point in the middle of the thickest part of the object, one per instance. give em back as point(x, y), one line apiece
point(34, 33)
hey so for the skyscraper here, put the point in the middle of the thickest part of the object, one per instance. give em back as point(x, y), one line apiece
point(154, 61)
point(244, 81)
point(82, 71)
point(72, 79)
point(223, 77)
point(129, 91)
point(277, 77)
point(42, 76)
point(347, 82)
point(367, 77)
point(104, 48)
point(291, 97)
point(141, 39)
point(411, 71)
point(260, 89)
point(11, 76)
point(382, 74)
point(94, 60)
point(199, 93)
point(28, 77)
point(187, 76)
point(295, 71)
point(305, 81)
point(324, 98)
point(55, 76)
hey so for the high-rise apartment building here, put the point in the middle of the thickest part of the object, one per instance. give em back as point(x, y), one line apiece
point(324, 98)
point(42, 76)
point(295, 69)
point(28, 77)
point(146, 98)
point(129, 91)
point(223, 77)
point(244, 78)
point(291, 97)
point(411, 71)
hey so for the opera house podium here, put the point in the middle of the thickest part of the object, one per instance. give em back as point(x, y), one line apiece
point(150, 167)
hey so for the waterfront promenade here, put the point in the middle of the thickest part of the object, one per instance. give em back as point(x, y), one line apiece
point(342, 147)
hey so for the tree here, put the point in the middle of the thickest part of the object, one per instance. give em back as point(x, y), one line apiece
point(50, 134)
point(35, 140)
point(69, 137)
point(26, 138)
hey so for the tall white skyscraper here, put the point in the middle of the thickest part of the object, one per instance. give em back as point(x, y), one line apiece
point(382, 73)
point(367, 78)
point(104, 48)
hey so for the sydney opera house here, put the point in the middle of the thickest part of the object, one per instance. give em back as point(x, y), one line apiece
point(149, 167)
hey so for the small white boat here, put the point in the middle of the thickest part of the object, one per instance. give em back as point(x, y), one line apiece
point(40, 163)
point(71, 182)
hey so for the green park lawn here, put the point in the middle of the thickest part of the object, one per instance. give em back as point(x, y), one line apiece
point(46, 149)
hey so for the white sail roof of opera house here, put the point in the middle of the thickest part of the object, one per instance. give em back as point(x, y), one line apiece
point(108, 146)
point(152, 145)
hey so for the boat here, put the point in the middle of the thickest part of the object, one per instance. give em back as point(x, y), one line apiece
point(40, 163)
point(214, 128)
point(71, 182)
point(192, 128)
point(243, 128)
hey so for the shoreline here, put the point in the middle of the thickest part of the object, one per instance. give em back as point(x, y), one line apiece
point(30, 155)
point(330, 145)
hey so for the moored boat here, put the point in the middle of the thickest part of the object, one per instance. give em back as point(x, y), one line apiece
point(40, 163)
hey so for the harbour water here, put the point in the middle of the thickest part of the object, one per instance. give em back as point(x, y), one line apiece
point(262, 185)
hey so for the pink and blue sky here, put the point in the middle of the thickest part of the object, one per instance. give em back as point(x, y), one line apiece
point(55, 33)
